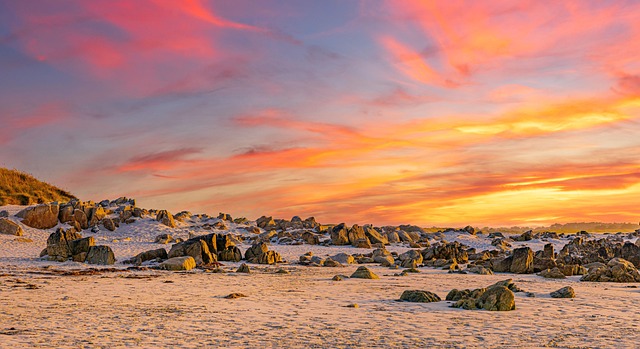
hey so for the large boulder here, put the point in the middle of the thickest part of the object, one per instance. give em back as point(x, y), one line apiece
point(616, 270)
point(522, 262)
point(65, 213)
point(230, 254)
point(339, 235)
point(58, 248)
point(96, 214)
point(343, 258)
point(355, 233)
point(259, 253)
point(10, 228)
point(497, 298)
point(79, 248)
point(102, 255)
point(166, 218)
point(375, 237)
point(196, 248)
point(384, 257)
point(419, 296)
point(411, 259)
point(178, 263)
point(80, 217)
point(40, 217)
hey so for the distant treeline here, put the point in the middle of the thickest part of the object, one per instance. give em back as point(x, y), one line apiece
point(571, 228)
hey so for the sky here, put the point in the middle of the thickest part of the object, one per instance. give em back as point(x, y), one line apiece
point(385, 112)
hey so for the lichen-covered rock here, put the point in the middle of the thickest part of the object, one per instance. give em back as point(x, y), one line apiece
point(616, 270)
point(364, 273)
point(230, 254)
point(565, 292)
point(102, 255)
point(339, 235)
point(40, 217)
point(166, 218)
point(522, 262)
point(419, 296)
point(58, 248)
point(10, 228)
point(178, 263)
point(497, 298)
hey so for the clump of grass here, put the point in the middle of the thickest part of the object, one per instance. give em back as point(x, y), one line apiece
point(19, 188)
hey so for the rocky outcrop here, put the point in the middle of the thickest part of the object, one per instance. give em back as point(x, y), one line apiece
point(343, 258)
point(40, 217)
point(449, 251)
point(58, 244)
point(196, 248)
point(364, 273)
point(178, 263)
point(259, 253)
point(497, 297)
point(616, 270)
point(419, 296)
point(10, 228)
point(166, 218)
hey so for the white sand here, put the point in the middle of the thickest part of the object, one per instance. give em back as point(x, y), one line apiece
point(304, 309)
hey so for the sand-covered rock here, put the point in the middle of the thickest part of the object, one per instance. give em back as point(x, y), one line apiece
point(10, 228)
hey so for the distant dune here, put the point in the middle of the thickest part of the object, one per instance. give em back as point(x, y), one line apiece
point(18, 188)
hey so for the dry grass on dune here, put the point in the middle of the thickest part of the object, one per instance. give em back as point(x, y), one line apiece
point(19, 188)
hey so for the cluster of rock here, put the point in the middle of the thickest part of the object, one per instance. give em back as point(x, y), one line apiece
point(498, 297)
point(63, 245)
point(205, 250)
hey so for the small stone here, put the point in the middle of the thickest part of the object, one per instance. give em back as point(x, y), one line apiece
point(353, 305)
point(339, 277)
point(364, 273)
point(234, 296)
point(244, 268)
point(565, 292)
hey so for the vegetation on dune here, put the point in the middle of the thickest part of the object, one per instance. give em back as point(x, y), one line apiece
point(19, 188)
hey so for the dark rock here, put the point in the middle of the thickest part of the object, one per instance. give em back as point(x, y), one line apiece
point(10, 228)
point(565, 292)
point(419, 296)
point(102, 255)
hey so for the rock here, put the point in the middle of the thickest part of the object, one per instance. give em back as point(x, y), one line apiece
point(565, 292)
point(310, 238)
point(164, 239)
point(234, 296)
point(270, 257)
point(102, 255)
point(58, 248)
point(244, 268)
point(522, 262)
point(339, 277)
point(364, 273)
point(178, 263)
point(331, 263)
point(573, 269)
point(255, 251)
point(383, 257)
point(456, 295)
point(470, 230)
point(10, 228)
point(478, 269)
point(355, 234)
point(343, 258)
point(497, 298)
point(225, 217)
point(265, 222)
point(375, 237)
point(419, 296)
point(82, 245)
point(554, 273)
point(547, 252)
point(96, 214)
point(4, 214)
point(65, 213)
point(616, 270)
point(223, 241)
point(196, 248)
point(393, 237)
point(502, 265)
point(109, 224)
point(81, 218)
point(339, 235)
point(410, 259)
point(230, 254)
point(405, 236)
point(166, 218)
point(157, 254)
point(40, 217)
point(362, 243)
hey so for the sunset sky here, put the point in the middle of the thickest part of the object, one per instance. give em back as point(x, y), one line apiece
point(385, 112)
